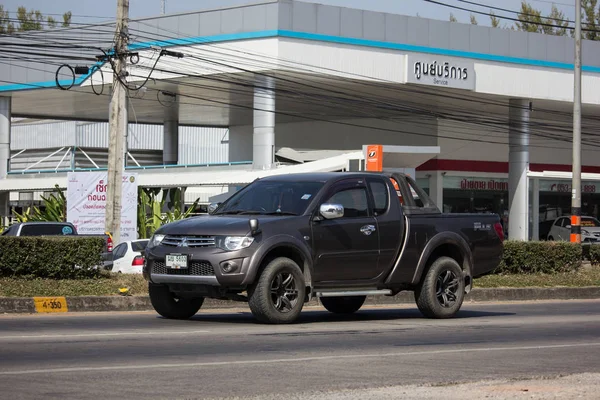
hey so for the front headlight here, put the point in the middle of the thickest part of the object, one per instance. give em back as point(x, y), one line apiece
point(232, 243)
point(584, 232)
point(155, 240)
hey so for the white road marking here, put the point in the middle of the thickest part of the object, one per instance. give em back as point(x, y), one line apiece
point(84, 335)
point(288, 360)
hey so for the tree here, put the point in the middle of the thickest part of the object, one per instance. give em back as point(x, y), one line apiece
point(556, 18)
point(592, 19)
point(29, 20)
point(6, 26)
point(473, 20)
point(67, 19)
point(452, 18)
point(32, 20)
point(531, 20)
point(495, 21)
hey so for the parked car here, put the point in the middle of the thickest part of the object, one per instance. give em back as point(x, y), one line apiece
point(561, 230)
point(283, 240)
point(127, 257)
point(57, 229)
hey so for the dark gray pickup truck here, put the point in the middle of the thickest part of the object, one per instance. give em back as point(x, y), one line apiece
point(283, 240)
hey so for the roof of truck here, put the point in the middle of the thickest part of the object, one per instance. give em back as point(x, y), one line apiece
point(317, 176)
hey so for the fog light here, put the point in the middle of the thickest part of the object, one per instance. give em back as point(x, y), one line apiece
point(229, 267)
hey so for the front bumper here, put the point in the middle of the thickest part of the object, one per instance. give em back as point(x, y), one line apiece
point(206, 266)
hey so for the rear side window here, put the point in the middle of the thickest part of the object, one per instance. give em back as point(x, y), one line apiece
point(46, 230)
point(380, 196)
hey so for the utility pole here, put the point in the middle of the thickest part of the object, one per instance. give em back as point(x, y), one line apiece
point(576, 185)
point(162, 6)
point(118, 125)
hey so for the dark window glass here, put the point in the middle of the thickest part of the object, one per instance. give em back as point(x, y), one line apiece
point(119, 251)
point(380, 196)
point(272, 197)
point(354, 202)
point(139, 246)
point(46, 230)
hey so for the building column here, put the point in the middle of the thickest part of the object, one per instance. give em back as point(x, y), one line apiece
point(5, 115)
point(171, 135)
point(263, 139)
point(436, 189)
point(535, 209)
point(518, 166)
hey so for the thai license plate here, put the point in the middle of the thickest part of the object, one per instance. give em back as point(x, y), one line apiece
point(176, 261)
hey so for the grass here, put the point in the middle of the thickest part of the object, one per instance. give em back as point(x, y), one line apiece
point(109, 285)
point(19, 287)
point(581, 278)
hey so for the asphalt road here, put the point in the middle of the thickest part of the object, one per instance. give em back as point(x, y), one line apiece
point(227, 354)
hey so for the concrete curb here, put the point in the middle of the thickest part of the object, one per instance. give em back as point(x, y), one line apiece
point(25, 305)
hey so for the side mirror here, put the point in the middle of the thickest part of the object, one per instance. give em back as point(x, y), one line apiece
point(212, 207)
point(254, 228)
point(331, 211)
point(568, 226)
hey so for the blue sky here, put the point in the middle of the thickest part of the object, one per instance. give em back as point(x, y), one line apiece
point(144, 8)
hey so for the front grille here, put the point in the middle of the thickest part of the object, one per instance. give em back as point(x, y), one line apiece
point(196, 268)
point(188, 241)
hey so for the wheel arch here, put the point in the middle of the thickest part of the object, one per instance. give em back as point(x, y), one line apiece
point(451, 245)
point(287, 246)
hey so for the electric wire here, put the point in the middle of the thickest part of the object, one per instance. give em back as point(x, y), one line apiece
point(171, 71)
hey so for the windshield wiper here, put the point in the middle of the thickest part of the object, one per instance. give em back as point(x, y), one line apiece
point(233, 212)
point(251, 212)
point(278, 213)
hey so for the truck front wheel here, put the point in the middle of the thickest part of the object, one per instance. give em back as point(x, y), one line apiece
point(170, 306)
point(442, 292)
point(278, 295)
point(343, 305)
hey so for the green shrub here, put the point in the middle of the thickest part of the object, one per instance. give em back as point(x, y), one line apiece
point(592, 253)
point(539, 257)
point(51, 257)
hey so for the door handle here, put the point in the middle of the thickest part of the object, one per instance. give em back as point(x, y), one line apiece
point(367, 229)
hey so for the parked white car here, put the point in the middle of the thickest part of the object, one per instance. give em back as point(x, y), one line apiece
point(561, 229)
point(128, 257)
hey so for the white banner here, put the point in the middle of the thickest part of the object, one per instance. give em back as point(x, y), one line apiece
point(86, 203)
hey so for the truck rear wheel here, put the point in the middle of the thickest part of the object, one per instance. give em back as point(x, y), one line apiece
point(442, 292)
point(170, 306)
point(343, 305)
point(278, 295)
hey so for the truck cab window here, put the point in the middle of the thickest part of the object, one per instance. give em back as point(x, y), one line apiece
point(354, 202)
point(380, 197)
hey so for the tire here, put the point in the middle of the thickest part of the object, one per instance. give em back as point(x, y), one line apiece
point(432, 303)
point(343, 305)
point(278, 295)
point(550, 239)
point(170, 306)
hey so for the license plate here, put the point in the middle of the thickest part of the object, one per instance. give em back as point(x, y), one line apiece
point(176, 261)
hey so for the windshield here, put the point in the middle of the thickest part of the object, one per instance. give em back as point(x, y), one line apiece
point(589, 222)
point(272, 197)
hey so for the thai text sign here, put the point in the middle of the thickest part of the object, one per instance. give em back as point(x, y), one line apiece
point(430, 70)
point(86, 203)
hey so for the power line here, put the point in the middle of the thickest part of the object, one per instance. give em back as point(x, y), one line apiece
point(358, 104)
